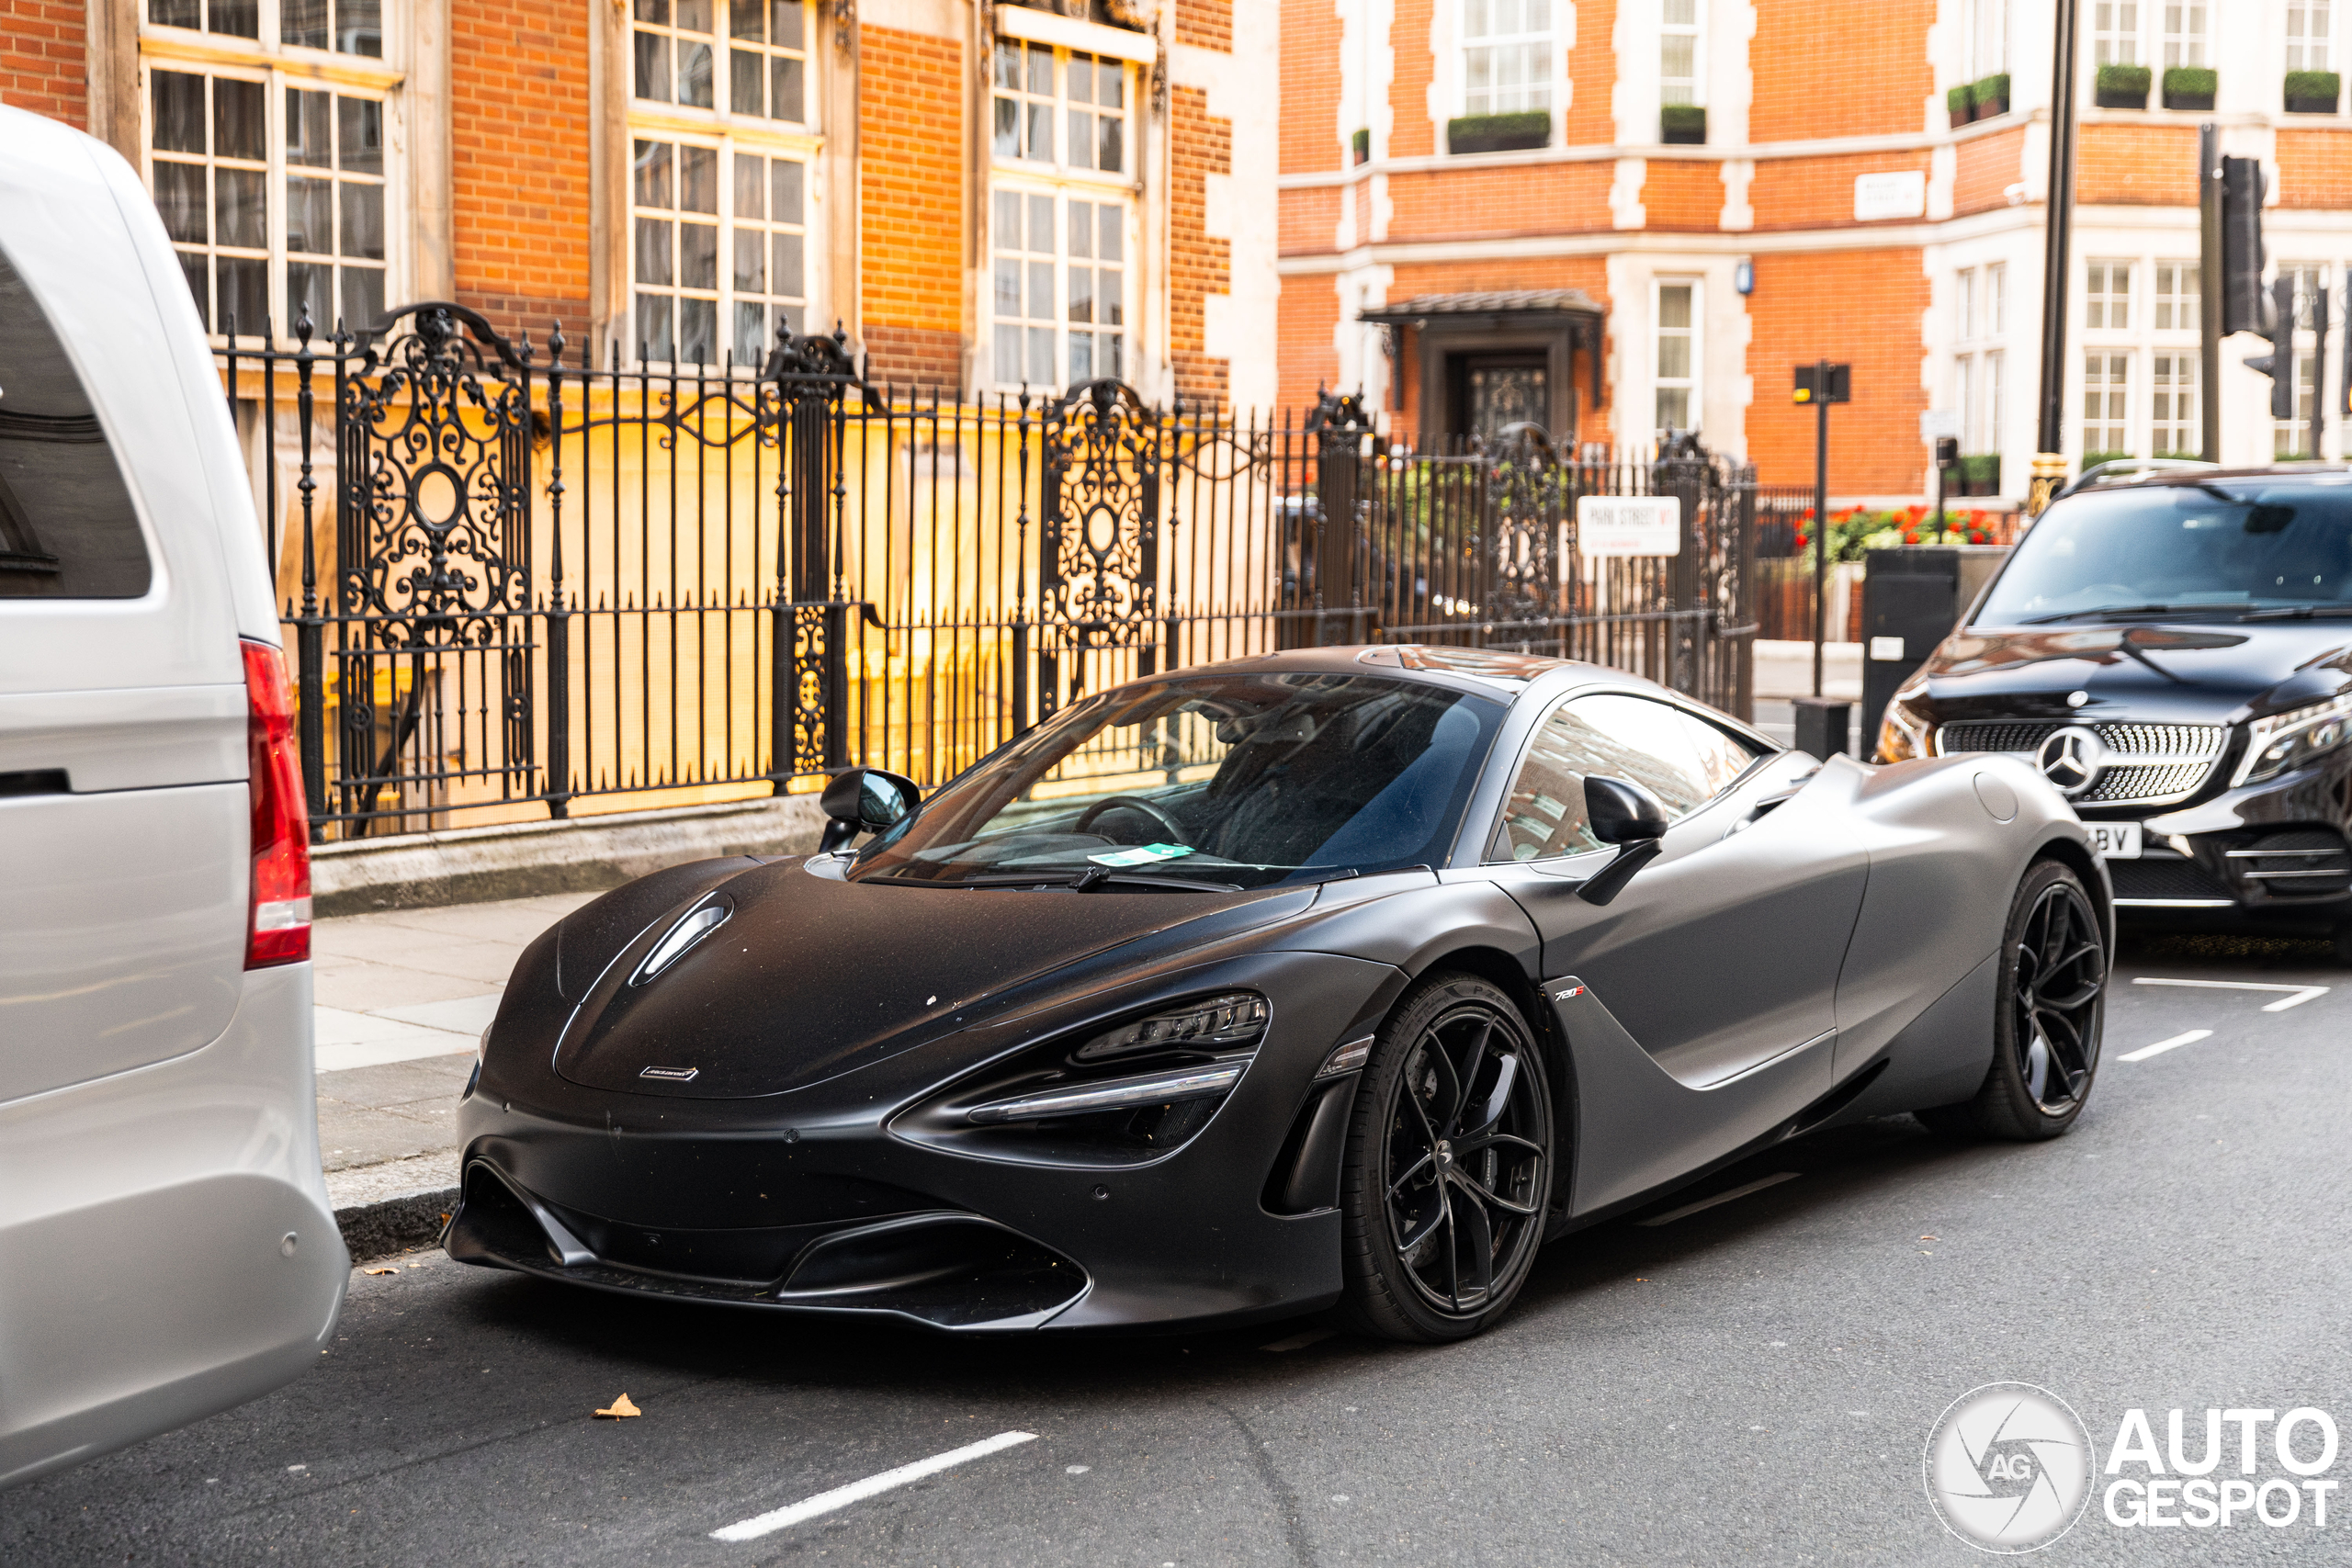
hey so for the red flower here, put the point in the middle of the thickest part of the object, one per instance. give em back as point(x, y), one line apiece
point(1803, 541)
point(1912, 537)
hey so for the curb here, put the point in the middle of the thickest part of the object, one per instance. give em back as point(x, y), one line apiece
point(395, 1224)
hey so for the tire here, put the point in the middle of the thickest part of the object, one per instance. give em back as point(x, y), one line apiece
point(1471, 1172)
point(2049, 1011)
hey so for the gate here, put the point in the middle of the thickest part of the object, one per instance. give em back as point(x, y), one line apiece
point(533, 588)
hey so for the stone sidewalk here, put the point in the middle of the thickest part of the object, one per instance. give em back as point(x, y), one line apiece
point(402, 997)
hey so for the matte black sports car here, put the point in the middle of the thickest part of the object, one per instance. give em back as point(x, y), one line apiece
point(2174, 653)
point(1347, 975)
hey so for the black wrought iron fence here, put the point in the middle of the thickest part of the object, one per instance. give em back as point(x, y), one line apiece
point(516, 585)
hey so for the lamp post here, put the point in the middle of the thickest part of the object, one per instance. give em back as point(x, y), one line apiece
point(2050, 459)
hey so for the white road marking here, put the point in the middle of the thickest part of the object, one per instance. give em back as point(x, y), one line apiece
point(1672, 1216)
point(2161, 1046)
point(873, 1485)
point(2302, 993)
point(1300, 1341)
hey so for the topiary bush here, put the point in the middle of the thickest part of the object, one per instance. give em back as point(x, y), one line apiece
point(1498, 132)
point(2190, 86)
point(2122, 86)
point(1683, 125)
point(2313, 92)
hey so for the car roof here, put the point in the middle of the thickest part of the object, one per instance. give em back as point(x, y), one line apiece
point(2177, 478)
point(1489, 672)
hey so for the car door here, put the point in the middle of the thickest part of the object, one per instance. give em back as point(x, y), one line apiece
point(1699, 1003)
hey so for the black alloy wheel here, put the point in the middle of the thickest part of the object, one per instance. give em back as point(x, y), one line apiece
point(1450, 1165)
point(2051, 1004)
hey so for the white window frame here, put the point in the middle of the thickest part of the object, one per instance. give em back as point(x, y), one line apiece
point(1693, 384)
point(1541, 45)
point(2100, 305)
point(2126, 422)
point(1986, 57)
point(2118, 31)
point(2177, 373)
point(278, 67)
point(1064, 183)
point(641, 346)
point(729, 133)
point(657, 21)
point(1696, 31)
point(2188, 32)
point(2302, 54)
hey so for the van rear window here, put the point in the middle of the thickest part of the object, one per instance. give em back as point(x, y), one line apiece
point(67, 528)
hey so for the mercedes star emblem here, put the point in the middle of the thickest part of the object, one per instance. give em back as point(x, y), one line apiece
point(2072, 759)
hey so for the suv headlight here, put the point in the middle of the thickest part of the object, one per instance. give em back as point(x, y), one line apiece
point(2288, 740)
point(1904, 735)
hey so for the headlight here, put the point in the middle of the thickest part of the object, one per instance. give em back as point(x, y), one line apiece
point(1213, 1023)
point(2288, 740)
point(1903, 734)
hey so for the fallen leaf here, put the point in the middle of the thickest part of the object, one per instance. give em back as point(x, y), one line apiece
point(1926, 1238)
point(620, 1407)
point(383, 1270)
point(417, 1265)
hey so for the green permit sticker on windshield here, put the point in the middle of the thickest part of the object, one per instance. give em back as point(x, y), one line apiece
point(1142, 854)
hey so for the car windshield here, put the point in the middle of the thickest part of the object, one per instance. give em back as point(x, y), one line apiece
point(1240, 780)
point(2224, 547)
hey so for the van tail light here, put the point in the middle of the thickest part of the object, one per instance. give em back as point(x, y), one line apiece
point(279, 931)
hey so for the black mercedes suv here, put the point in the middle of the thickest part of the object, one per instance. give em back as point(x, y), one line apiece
point(2174, 651)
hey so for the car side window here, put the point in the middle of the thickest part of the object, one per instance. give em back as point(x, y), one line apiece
point(67, 528)
point(1722, 756)
point(1649, 743)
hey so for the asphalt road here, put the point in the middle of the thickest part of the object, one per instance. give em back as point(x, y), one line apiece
point(1750, 1383)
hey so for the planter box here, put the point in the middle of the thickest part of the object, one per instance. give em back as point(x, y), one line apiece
point(1498, 132)
point(1980, 474)
point(2313, 92)
point(2191, 87)
point(1683, 125)
point(1960, 106)
point(1990, 94)
point(2122, 86)
point(1986, 110)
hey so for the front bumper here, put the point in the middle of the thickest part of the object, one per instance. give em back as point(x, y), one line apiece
point(807, 1202)
point(2268, 857)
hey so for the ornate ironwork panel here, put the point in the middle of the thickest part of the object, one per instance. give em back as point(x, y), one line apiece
point(434, 455)
point(1100, 556)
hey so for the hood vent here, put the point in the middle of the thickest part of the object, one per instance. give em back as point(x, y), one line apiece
point(693, 926)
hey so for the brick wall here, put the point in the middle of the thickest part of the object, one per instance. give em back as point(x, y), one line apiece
point(519, 157)
point(1199, 264)
point(1411, 135)
point(911, 147)
point(1311, 218)
point(1592, 76)
point(2314, 168)
point(1546, 199)
point(1206, 24)
point(1835, 68)
point(1862, 308)
point(1311, 132)
point(2137, 165)
point(42, 47)
point(1681, 193)
point(1985, 169)
point(1306, 320)
point(1810, 193)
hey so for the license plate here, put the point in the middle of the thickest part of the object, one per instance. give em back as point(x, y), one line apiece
point(2115, 841)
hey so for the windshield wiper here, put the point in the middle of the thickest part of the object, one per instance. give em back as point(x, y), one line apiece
point(2112, 610)
point(1094, 876)
point(2296, 612)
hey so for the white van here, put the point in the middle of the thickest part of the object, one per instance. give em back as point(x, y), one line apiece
point(166, 1246)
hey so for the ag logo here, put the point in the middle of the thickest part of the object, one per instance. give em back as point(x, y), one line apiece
point(2008, 1467)
point(2072, 759)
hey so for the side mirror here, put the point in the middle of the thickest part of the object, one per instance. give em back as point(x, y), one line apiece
point(863, 800)
point(1629, 817)
point(1621, 812)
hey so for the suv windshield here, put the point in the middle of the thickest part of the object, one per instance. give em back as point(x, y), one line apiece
point(1240, 780)
point(2226, 546)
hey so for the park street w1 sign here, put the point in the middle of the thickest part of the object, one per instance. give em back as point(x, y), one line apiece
point(1619, 525)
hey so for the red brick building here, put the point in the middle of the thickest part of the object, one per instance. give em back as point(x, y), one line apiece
point(984, 195)
point(1618, 217)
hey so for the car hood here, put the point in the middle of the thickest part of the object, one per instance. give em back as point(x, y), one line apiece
point(809, 977)
point(2176, 671)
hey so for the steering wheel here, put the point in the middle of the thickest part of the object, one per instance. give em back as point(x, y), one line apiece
point(1133, 803)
